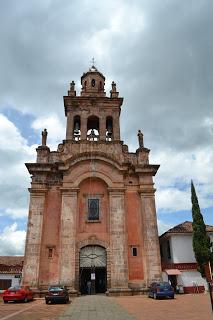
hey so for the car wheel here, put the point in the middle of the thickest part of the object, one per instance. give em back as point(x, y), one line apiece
point(25, 299)
point(5, 301)
point(155, 296)
point(172, 297)
point(46, 301)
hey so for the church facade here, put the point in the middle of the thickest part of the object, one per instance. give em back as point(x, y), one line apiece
point(92, 216)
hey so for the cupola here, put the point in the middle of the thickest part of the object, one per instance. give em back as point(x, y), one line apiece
point(93, 83)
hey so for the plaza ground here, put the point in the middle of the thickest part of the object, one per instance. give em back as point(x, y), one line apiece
point(100, 307)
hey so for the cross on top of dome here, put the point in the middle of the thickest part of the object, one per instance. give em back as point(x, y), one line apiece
point(93, 68)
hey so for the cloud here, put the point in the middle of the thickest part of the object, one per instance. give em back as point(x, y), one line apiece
point(158, 53)
point(175, 174)
point(55, 127)
point(14, 176)
point(17, 213)
point(12, 241)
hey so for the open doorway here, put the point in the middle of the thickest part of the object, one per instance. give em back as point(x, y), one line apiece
point(92, 273)
point(92, 280)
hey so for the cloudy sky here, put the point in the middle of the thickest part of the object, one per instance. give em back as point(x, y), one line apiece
point(160, 55)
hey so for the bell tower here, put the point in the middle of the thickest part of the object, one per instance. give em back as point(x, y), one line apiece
point(92, 115)
point(92, 213)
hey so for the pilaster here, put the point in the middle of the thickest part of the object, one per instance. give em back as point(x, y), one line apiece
point(33, 240)
point(152, 262)
point(118, 241)
point(83, 127)
point(116, 127)
point(102, 128)
point(69, 131)
point(67, 246)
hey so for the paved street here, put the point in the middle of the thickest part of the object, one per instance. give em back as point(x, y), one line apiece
point(183, 307)
point(191, 306)
point(35, 310)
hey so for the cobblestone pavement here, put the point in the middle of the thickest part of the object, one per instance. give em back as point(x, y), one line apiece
point(183, 307)
point(95, 308)
point(190, 306)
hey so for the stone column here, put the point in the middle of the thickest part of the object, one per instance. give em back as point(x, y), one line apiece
point(69, 132)
point(152, 263)
point(118, 241)
point(102, 125)
point(68, 232)
point(116, 127)
point(33, 240)
point(83, 127)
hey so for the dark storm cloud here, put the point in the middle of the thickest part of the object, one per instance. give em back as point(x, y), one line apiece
point(169, 81)
point(41, 49)
point(163, 68)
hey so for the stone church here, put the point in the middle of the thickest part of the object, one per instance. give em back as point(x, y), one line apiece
point(92, 216)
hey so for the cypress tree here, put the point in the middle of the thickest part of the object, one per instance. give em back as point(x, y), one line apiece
point(201, 240)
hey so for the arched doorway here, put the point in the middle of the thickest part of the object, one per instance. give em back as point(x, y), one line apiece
point(92, 269)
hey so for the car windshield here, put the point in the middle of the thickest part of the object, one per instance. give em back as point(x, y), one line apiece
point(14, 288)
point(57, 288)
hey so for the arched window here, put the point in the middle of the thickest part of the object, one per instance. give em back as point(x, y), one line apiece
point(93, 128)
point(93, 82)
point(77, 128)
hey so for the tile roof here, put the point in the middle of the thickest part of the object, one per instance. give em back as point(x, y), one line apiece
point(11, 264)
point(185, 227)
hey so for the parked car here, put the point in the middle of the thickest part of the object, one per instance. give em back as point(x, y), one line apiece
point(161, 290)
point(57, 293)
point(18, 293)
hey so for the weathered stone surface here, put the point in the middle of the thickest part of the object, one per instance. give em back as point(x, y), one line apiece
point(92, 163)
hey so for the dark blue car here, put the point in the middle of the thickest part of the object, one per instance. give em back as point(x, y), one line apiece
point(161, 290)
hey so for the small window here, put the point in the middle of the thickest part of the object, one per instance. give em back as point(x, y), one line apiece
point(134, 252)
point(93, 82)
point(93, 209)
point(50, 252)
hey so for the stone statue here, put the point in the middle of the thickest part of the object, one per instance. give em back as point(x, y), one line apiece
point(113, 86)
point(140, 139)
point(44, 137)
point(72, 86)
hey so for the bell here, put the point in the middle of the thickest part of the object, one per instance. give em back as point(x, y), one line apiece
point(77, 127)
point(109, 131)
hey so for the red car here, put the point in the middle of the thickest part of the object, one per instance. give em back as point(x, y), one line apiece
point(18, 293)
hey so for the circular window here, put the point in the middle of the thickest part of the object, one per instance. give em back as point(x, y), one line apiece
point(93, 82)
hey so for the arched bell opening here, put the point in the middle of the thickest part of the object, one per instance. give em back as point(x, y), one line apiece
point(93, 128)
point(109, 128)
point(92, 273)
point(77, 128)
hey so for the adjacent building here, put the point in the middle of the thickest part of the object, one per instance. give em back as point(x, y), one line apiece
point(92, 213)
point(10, 271)
point(178, 261)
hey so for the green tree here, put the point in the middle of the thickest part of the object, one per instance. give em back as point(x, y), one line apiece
point(201, 240)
